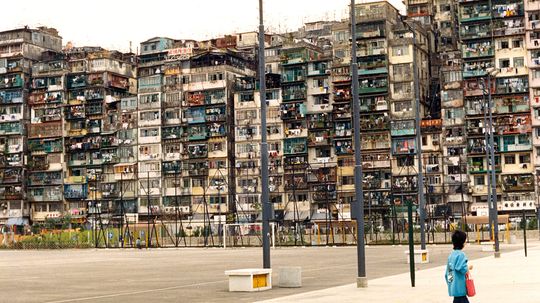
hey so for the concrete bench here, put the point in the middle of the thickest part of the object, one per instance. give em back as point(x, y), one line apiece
point(488, 246)
point(290, 277)
point(250, 279)
point(420, 256)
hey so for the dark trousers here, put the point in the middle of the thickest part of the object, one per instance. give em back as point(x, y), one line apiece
point(461, 299)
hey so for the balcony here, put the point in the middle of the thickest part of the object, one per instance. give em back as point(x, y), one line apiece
point(45, 178)
point(293, 92)
point(47, 194)
point(369, 31)
point(318, 69)
point(11, 97)
point(45, 146)
point(295, 146)
point(508, 9)
point(475, 12)
point(76, 81)
point(294, 56)
point(404, 184)
point(371, 104)
point(475, 31)
point(197, 151)
point(343, 147)
point(402, 128)
point(375, 161)
point(510, 105)
point(319, 121)
point(11, 193)
point(45, 130)
point(215, 114)
point(319, 138)
point(292, 111)
point(403, 146)
point(75, 191)
point(11, 128)
point(370, 86)
point(343, 129)
point(197, 133)
point(477, 50)
point(512, 85)
point(375, 122)
point(376, 141)
point(523, 182)
point(11, 81)
point(510, 144)
point(293, 75)
point(216, 130)
point(174, 132)
point(342, 95)
point(373, 65)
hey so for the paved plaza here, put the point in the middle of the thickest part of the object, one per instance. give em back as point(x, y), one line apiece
point(197, 275)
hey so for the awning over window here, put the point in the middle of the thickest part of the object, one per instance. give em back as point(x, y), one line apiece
point(17, 221)
point(301, 215)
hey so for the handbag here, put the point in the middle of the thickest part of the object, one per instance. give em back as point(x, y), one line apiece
point(469, 283)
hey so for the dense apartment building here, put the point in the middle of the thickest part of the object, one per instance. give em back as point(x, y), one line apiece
point(19, 50)
point(174, 132)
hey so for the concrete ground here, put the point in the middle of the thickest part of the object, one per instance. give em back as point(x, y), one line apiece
point(510, 278)
point(192, 275)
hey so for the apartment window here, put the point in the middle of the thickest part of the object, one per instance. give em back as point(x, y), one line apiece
point(523, 139)
point(504, 63)
point(400, 50)
point(320, 99)
point(405, 161)
point(479, 180)
point(347, 180)
point(524, 159)
point(510, 159)
point(503, 44)
point(150, 132)
point(274, 146)
point(402, 88)
point(402, 106)
point(517, 43)
point(401, 70)
point(519, 62)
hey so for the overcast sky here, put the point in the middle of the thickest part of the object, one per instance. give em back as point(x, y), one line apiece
point(114, 23)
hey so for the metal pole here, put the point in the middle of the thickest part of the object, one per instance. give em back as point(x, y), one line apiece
point(524, 220)
point(122, 210)
point(148, 209)
point(264, 146)
point(420, 185)
point(492, 171)
point(411, 244)
point(176, 205)
point(361, 279)
point(488, 157)
point(538, 219)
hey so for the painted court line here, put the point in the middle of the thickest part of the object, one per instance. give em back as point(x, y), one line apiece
point(135, 292)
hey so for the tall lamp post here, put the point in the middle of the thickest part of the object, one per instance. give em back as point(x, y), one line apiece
point(265, 195)
point(492, 203)
point(361, 279)
point(420, 185)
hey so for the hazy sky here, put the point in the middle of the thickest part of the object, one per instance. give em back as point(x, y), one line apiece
point(114, 23)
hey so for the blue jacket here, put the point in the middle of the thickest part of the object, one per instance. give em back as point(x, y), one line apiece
point(456, 268)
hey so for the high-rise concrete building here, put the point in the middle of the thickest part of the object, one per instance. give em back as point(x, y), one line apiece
point(19, 50)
